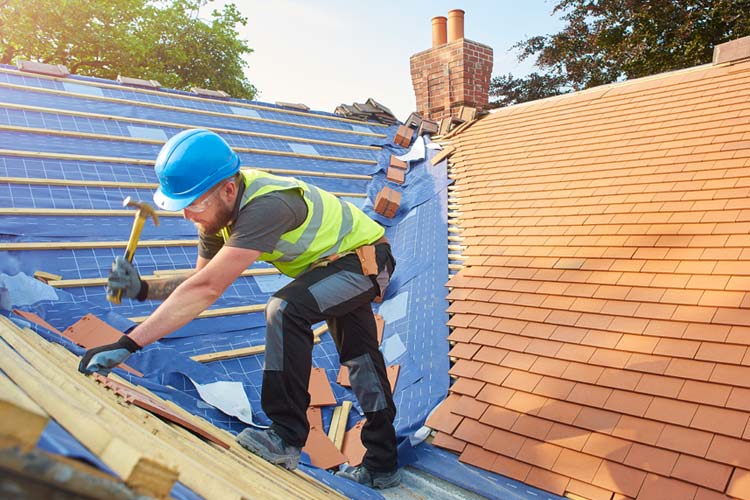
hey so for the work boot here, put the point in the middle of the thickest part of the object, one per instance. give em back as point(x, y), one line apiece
point(269, 445)
point(380, 480)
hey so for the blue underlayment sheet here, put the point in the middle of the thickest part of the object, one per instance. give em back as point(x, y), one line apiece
point(227, 393)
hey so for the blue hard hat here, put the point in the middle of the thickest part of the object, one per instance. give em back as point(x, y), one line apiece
point(189, 164)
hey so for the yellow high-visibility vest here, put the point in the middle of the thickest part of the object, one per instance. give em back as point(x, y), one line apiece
point(332, 226)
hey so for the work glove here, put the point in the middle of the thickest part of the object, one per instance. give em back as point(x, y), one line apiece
point(125, 277)
point(102, 359)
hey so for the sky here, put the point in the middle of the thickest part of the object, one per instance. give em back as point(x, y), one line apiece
point(323, 53)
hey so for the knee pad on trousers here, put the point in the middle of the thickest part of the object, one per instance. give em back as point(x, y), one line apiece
point(366, 384)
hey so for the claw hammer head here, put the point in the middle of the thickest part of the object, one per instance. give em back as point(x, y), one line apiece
point(143, 212)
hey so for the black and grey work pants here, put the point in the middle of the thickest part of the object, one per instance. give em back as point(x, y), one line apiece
point(341, 295)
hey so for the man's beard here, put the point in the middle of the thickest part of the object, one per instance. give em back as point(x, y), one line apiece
point(223, 216)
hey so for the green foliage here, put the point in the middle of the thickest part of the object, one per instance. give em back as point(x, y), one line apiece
point(161, 40)
point(605, 41)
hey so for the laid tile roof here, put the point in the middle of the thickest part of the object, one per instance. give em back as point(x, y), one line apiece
point(600, 322)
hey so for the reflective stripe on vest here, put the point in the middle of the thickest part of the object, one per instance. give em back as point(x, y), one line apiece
point(332, 226)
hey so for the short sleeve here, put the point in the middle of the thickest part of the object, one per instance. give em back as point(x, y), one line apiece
point(261, 222)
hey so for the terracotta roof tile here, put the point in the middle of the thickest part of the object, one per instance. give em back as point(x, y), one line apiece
point(577, 465)
point(720, 420)
point(739, 399)
point(739, 486)
point(504, 442)
point(477, 456)
point(628, 403)
point(531, 426)
point(702, 472)
point(590, 395)
point(499, 417)
point(604, 446)
point(659, 385)
point(659, 488)
point(620, 379)
point(685, 440)
point(465, 368)
point(721, 353)
point(619, 478)
point(588, 491)
point(608, 295)
point(443, 418)
point(729, 451)
point(510, 468)
point(639, 430)
point(467, 386)
point(651, 459)
point(671, 411)
point(447, 441)
point(546, 480)
point(567, 436)
point(472, 432)
point(538, 453)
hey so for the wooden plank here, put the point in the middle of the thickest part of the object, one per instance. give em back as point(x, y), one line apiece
point(22, 421)
point(83, 282)
point(220, 311)
point(38, 474)
point(337, 430)
point(158, 123)
point(141, 472)
point(247, 351)
point(75, 245)
point(78, 212)
point(126, 102)
point(234, 474)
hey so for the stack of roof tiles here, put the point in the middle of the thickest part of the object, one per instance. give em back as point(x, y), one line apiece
point(601, 321)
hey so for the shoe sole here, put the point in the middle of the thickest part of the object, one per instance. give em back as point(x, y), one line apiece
point(285, 461)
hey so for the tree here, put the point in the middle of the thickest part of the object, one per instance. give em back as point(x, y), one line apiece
point(606, 41)
point(161, 40)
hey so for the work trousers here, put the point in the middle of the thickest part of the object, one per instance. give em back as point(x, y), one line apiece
point(341, 295)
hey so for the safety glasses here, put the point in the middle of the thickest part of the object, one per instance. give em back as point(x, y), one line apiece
point(202, 206)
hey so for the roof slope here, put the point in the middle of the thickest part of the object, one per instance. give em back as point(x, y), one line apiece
point(600, 322)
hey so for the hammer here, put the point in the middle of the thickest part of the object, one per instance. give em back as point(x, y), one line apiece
point(143, 211)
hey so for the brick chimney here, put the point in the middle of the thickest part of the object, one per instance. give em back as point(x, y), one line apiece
point(455, 72)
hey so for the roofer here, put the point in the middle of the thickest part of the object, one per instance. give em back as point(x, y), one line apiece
point(339, 258)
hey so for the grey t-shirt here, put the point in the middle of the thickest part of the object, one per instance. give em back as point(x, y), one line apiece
point(259, 224)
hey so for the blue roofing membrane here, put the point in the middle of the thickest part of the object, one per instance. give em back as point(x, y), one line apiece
point(95, 132)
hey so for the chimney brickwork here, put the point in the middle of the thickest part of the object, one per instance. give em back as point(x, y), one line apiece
point(452, 74)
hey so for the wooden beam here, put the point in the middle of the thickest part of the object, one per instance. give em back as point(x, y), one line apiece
point(234, 474)
point(75, 245)
point(204, 112)
point(119, 88)
point(163, 124)
point(337, 430)
point(83, 282)
point(213, 313)
point(139, 470)
point(247, 351)
point(22, 421)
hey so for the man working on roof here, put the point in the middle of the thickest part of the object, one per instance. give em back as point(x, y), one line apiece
point(339, 258)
